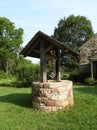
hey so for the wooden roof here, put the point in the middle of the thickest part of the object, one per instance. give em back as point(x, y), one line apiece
point(92, 41)
point(33, 47)
point(93, 57)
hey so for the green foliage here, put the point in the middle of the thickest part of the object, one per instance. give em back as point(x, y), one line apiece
point(90, 81)
point(27, 72)
point(10, 62)
point(16, 111)
point(70, 62)
point(3, 75)
point(79, 75)
point(10, 44)
point(73, 31)
point(10, 37)
point(7, 79)
point(64, 76)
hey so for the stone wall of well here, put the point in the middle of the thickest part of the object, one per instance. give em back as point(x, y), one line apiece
point(52, 96)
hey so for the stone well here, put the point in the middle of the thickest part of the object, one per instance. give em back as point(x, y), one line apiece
point(52, 95)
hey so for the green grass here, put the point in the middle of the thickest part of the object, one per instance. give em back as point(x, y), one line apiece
point(16, 112)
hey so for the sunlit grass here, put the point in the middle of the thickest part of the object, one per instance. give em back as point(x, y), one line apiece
point(16, 112)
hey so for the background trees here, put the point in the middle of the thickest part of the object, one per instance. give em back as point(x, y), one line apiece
point(10, 44)
point(27, 72)
point(14, 68)
point(73, 31)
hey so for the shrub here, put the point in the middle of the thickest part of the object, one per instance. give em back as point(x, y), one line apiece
point(90, 81)
point(27, 72)
point(3, 75)
point(7, 79)
point(22, 83)
point(79, 75)
point(64, 76)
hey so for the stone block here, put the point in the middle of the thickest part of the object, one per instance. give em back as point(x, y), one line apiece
point(58, 103)
point(54, 89)
point(46, 85)
point(41, 85)
point(53, 96)
point(37, 100)
point(65, 103)
point(54, 108)
point(50, 103)
point(61, 97)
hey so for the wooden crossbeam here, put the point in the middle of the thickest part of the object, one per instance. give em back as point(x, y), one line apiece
point(31, 48)
point(52, 57)
point(36, 51)
point(49, 48)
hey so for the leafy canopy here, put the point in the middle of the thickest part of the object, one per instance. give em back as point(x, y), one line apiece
point(10, 37)
point(10, 43)
point(73, 31)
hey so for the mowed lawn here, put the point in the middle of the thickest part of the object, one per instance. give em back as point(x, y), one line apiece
point(16, 112)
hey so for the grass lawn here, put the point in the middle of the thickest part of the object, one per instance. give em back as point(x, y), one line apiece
point(16, 112)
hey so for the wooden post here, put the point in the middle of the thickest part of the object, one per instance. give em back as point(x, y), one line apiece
point(92, 69)
point(43, 76)
point(58, 75)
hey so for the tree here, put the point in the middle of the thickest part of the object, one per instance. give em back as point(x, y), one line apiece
point(27, 72)
point(74, 31)
point(10, 43)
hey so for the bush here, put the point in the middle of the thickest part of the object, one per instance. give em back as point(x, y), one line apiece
point(27, 72)
point(22, 84)
point(79, 75)
point(3, 75)
point(65, 76)
point(7, 79)
point(90, 81)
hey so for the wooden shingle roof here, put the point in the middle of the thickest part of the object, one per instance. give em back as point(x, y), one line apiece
point(33, 47)
point(91, 42)
point(93, 57)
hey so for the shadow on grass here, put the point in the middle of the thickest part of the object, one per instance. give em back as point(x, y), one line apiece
point(20, 99)
point(87, 89)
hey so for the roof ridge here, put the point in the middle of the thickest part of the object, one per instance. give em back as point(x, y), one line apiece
point(93, 37)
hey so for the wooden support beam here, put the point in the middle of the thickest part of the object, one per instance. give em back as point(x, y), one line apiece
point(43, 74)
point(92, 69)
point(58, 75)
point(49, 48)
point(51, 57)
point(31, 48)
point(36, 51)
